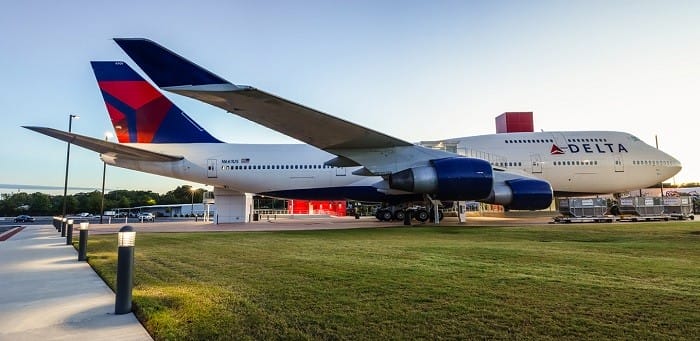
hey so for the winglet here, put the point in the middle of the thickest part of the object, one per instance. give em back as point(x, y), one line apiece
point(166, 68)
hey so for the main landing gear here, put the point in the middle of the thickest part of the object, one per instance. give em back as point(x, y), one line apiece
point(419, 213)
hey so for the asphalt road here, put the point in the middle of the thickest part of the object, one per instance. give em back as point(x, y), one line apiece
point(38, 220)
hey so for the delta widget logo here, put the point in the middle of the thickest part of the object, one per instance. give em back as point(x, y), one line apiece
point(600, 148)
point(556, 150)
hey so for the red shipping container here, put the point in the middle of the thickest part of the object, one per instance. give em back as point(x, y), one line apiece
point(515, 122)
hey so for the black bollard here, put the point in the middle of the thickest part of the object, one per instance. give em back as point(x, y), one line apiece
point(82, 242)
point(125, 269)
point(64, 222)
point(69, 232)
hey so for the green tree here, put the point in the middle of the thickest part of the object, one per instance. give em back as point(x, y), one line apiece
point(124, 202)
point(93, 202)
point(183, 194)
point(44, 204)
point(40, 204)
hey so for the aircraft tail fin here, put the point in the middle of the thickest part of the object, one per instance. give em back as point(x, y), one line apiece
point(139, 112)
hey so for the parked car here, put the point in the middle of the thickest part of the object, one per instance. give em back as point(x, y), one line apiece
point(146, 216)
point(23, 218)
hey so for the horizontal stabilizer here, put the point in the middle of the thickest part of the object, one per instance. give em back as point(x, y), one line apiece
point(105, 147)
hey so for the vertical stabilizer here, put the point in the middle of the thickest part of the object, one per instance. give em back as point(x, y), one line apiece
point(139, 112)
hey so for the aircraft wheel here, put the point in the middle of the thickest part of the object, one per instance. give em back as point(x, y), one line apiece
point(399, 215)
point(384, 215)
point(421, 215)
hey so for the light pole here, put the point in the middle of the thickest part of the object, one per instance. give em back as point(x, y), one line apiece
point(65, 183)
point(192, 207)
point(104, 172)
point(656, 138)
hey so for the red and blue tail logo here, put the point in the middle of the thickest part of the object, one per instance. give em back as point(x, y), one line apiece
point(140, 113)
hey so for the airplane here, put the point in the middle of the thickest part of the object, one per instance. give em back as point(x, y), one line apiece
point(340, 159)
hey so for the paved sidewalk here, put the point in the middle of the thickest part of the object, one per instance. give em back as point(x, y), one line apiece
point(47, 294)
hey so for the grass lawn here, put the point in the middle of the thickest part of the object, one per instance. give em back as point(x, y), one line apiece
point(620, 281)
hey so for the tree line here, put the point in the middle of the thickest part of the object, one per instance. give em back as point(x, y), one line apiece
point(41, 204)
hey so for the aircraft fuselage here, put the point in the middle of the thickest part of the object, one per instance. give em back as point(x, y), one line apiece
point(574, 163)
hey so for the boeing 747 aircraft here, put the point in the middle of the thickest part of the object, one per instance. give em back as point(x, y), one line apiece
point(342, 160)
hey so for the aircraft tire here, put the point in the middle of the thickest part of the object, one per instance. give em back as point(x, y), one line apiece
point(384, 215)
point(421, 215)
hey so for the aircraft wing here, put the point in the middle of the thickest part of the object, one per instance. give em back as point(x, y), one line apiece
point(106, 147)
point(176, 74)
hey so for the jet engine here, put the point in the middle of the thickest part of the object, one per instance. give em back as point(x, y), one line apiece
point(461, 178)
point(521, 194)
point(456, 178)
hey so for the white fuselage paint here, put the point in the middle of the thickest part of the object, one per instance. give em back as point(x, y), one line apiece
point(572, 162)
point(585, 162)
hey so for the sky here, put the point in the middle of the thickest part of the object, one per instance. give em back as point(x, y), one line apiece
point(416, 70)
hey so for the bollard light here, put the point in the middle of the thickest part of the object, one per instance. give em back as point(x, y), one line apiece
point(126, 238)
point(82, 242)
point(69, 232)
point(64, 222)
point(125, 269)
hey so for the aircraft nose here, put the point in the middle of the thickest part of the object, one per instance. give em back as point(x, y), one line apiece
point(674, 166)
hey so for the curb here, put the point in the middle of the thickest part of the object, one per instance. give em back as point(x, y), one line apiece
point(7, 235)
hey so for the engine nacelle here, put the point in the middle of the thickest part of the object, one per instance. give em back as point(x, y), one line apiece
point(522, 194)
point(457, 178)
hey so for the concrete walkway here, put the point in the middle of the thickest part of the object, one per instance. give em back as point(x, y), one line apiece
point(46, 294)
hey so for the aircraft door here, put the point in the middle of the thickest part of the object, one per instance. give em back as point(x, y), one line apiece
point(211, 168)
point(340, 171)
point(536, 163)
point(560, 141)
point(619, 163)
